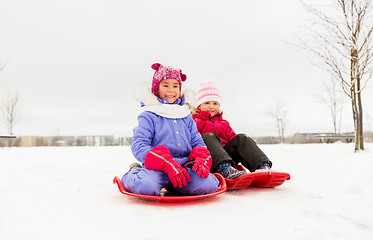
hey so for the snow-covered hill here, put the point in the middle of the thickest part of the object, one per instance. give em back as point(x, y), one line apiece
point(67, 193)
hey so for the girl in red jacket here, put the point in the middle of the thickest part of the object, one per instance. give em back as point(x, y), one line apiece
point(226, 147)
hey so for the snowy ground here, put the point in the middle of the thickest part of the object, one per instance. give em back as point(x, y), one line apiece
point(67, 193)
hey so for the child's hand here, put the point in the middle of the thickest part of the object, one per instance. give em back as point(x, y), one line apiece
point(160, 158)
point(202, 167)
point(201, 161)
point(177, 174)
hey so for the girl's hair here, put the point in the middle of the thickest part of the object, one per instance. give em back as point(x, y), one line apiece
point(193, 110)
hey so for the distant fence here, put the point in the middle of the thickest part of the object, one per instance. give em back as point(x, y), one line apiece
point(330, 138)
point(302, 138)
point(7, 140)
point(7, 136)
point(38, 141)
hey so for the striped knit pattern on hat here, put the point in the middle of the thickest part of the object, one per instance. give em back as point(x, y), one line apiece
point(165, 72)
point(208, 92)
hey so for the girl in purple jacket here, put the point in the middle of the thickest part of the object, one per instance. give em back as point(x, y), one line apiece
point(226, 147)
point(167, 142)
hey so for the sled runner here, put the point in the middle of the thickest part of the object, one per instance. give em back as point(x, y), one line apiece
point(259, 179)
point(169, 197)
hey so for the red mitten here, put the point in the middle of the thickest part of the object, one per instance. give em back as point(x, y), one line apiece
point(202, 161)
point(160, 159)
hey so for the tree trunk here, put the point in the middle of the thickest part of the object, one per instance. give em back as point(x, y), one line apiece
point(358, 123)
point(354, 115)
point(357, 107)
point(360, 119)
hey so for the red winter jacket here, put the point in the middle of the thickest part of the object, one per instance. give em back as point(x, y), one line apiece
point(216, 125)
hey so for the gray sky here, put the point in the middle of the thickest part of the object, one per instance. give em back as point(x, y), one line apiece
point(76, 63)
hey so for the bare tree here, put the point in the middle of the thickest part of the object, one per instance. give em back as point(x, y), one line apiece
point(333, 99)
point(342, 40)
point(2, 66)
point(279, 115)
point(11, 110)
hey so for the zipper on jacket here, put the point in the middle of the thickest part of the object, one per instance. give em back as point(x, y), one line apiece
point(213, 124)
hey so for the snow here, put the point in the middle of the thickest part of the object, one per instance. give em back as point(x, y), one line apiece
point(67, 193)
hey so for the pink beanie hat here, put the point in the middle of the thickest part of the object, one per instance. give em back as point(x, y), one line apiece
point(165, 72)
point(208, 92)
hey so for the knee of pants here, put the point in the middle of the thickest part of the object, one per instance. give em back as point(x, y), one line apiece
point(209, 136)
point(139, 181)
point(242, 138)
point(201, 186)
point(242, 135)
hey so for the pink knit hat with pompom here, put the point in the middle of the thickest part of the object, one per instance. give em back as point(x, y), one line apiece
point(208, 92)
point(165, 72)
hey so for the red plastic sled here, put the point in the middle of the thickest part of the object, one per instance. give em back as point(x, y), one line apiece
point(257, 179)
point(165, 197)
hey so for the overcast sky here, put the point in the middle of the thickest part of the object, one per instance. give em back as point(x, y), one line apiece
point(76, 63)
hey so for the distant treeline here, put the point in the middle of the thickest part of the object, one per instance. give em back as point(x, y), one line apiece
point(109, 140)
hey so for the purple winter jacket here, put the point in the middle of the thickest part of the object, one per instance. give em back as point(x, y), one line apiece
point(178, 132)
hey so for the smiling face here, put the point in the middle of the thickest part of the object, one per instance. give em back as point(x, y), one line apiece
point(169, 89)
point(212, 107)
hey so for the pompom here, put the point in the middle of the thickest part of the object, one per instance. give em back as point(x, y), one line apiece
point(183, 77)
point(156, 66)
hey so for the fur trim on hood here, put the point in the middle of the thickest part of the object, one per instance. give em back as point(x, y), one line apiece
point(151, 103)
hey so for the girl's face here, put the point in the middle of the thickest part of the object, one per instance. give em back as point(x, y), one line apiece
point(169, 89)
point(212, 107)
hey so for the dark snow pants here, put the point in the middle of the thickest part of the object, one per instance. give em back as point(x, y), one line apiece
point(241, 149)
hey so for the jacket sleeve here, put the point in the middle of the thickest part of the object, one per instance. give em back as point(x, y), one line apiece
point(200, 124)
point(230, 133)
point(196, 139)
point(143, 136)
